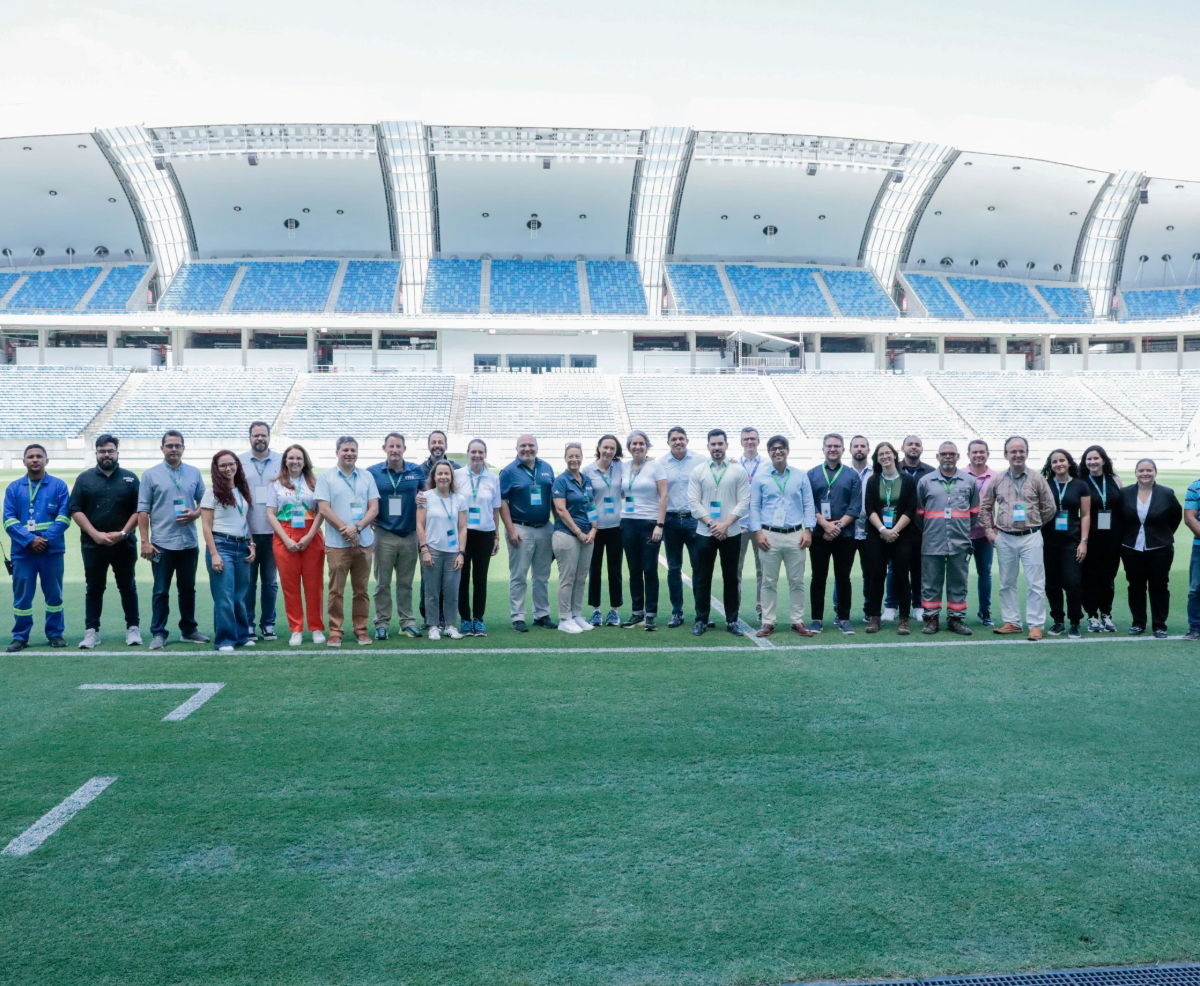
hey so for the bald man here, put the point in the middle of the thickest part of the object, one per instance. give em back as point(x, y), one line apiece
point(947, 505)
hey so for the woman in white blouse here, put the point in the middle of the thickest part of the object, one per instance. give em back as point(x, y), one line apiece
point(298, 545)
point(481, 490)
point(643, 513)
point(441, 533)
point(230, 550)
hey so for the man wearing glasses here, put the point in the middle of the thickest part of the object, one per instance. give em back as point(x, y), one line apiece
point(837, 493)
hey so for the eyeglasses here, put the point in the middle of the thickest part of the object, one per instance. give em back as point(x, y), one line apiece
point(171, 448)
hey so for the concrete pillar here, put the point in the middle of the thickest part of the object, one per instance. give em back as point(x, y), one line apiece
point(438, 343)
point(816, 350)
point(1002, 345)
point(941, 351)
point(311, 345)
point(691, 339)
point(880, 345)
point(375, 350)
point(1137, 350)
point(1047, 344)
point(629, 351)
point(1179, 352)
point(43, 341)
point(245, 346)
point(110, 342)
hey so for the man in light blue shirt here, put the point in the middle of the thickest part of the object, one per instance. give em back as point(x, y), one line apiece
point(261, 466)
point(782, 516)
point(680, 529)
point(752, 462)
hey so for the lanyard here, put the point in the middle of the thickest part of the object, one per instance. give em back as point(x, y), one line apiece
point(580, 484)
point(1021, 485)
point(263, 468)
point(33, 492)
point(757, 463)
point(717, 479)
point(604, 475)
point(392, 479)
point(829, 482)
point(447, 503)
point(239, 503)
point(890, 484)
point(633, 473)
point(475, 484)
point(352, 486)
point(531, 473)
point(911, 473)
point(175, 474)
point(947, 484)
point(782, 486)
point(1058, 492)
point(1102, 491)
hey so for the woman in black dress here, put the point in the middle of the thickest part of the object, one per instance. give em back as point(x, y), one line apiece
point(1099, 567)
point(1065, 540)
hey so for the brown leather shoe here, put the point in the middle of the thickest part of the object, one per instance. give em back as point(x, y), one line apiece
point(765, 630)
point(801, 629)
point(872, 624)
point(1007, 628)
point(903, 628)
point(1035, 633)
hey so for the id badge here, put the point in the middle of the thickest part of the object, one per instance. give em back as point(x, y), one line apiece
point(261, 493)
point(1104, 520)
point(474, 516)
point(297, 516)
point(1018, 513)
point(947, 514)
point(714, 509)
point(826, 510)
point(535, 496)
point(889, 517)
point(1060, 521)
point(610, 505)
point(395, 505)
point(780, 516)
point(629, 505)
point(358, 510)
point(452, 538)
point(180, 506)
point(30, 525)
point(592, 515)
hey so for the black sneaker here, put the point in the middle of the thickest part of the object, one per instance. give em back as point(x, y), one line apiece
point(56, 642)
point(676, 620)
point(633, 621)
point(1056, 629)
point(520, 627)
point(545, 623)
point(15, 646)
point(1136, 631)
point(196, 637)
point(735, 629)
point(699, 629)
point(1192, 634)
point(711, 625)
point(1160, 634)
point(268, 633)
point(650, 624)
point(1073, 632)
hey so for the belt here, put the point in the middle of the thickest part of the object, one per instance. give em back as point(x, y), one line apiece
point(783, 530)
point(228, 537)
point(521, 523)
point(1019, 534)
point(681, 514)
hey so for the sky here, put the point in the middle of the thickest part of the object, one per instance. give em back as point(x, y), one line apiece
point(1099, 83)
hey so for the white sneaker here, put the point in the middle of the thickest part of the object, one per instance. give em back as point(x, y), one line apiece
point(434, 633)
point(297, 639)
point(918, 613)
point(318, 637)
point(90, 639)
point(227, 649)
point(133, 637)
point(889, 614)
point(452, 632)
point(583, 624)
point(569, 626)
point(250, 643)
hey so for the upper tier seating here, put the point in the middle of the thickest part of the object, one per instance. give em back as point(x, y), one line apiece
point(7, 279)
point(116, 290)
point(1161, 302)
point(199, 287)
point(776, 290)
point(697, 404)
point(1160, 404)
point(54, 402)
point(1067, 302)
point(369, 405)
point(202, 403)
point(1189, 301)
point(615, 288)
point(534, 287)
point(932, 293)
point(369, 286)
point(858, 294)
point(897, 406)
point(452, 287)
point(280, 286)
point(998, 299)
point(575, 405)
point(697, 290)
point(59, 289)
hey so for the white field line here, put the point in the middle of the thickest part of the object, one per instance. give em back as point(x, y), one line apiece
point(720, 608)
point(56, 818)
point(204, 691)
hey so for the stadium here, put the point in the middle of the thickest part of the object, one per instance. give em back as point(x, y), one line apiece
point(630, 807)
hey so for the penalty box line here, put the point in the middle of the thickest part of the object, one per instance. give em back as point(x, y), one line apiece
point(204, 691)
point(56, 817)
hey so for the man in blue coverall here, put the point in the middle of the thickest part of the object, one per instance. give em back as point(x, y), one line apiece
point(35, 517)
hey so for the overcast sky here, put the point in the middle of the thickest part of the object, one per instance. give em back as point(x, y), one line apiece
point(1103, 84)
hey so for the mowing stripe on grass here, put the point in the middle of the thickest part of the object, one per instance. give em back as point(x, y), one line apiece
point(206, 690)
point(720, 608)
point(56, 818)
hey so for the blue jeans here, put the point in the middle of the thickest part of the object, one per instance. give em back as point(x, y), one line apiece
point(263, 570)
point(231, 625)
point(983, 550)
point(679, 533)
point(179, 564)
point(27, 570)
point(1194, 590)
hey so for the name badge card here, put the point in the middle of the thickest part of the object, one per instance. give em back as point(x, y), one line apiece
point(948, 514)
point(297, 514)
point(452, 537)
point(395, 506)
point(261, 495)
point(474, 516)
point(1018, 513)
point(180, 506)
point(1104, 520)
point(610, 505)
point(629, 505)
point(535, 496)
point(826, 510)
point(889, 517)
point(714, 509)
point(358, 510)
point(780, 518)
point(30, 525)
point(1060, 521)
point(592, 515)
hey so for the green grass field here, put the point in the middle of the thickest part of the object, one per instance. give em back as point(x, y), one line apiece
point(620, 807)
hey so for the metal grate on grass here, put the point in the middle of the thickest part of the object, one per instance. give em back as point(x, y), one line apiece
point(1155, 975)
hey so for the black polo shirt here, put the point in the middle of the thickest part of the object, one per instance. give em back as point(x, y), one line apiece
point(107, 501)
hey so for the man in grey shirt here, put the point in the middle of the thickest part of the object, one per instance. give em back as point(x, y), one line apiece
point(261, 466)
point(168, 508)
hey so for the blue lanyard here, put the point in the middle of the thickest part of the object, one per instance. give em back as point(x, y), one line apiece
point(1103, 492)
point(352, 486)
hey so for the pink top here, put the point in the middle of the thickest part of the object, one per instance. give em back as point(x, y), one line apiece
point(980, 482)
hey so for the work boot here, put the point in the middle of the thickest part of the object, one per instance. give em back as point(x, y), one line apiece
point(932, 624)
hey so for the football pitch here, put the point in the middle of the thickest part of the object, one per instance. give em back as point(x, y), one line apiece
point(615, 807)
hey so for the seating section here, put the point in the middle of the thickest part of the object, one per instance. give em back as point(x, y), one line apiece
point(933, 295)
point(369, 286)
point(54, 402)
point(1058, 409)
point(998, 299)
point(7, 279)
point(116, 290)
point(58, 289)
point(534, 287)
point(452, 287)
point(776, 290)
point(575, 405)
point(897, 406)
point(202, 403)
point(280, 286)
point(615, 288)
point(199, 287)
point(696, 289)
point(1160, 404)
point(1189, 301)
point(1067, 302)
point(1161, 302)
point(369, 405)
point(858, 294)
point(656, 403)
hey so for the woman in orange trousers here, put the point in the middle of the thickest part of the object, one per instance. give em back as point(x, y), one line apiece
point(299, 547)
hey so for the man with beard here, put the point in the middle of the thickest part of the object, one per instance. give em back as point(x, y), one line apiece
point(261, 467)
point(916, 470)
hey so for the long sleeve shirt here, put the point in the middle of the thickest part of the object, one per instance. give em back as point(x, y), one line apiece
point(45, 517)
point(1004, 492)
point(719, 492)
point(781, 501)
point(946, 509)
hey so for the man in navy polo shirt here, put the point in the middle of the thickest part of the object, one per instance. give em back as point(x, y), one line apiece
point(396, 550)
point(525, 509)
point(837, 493)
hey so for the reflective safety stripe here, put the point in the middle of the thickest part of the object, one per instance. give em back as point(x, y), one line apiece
point(949, 605)
point(44, 525)
point(60, 519)
point(52, 609)
point(22, 612)
point(11, 522)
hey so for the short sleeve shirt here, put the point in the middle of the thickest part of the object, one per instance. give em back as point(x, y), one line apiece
point(482, 495)
point(441, 520)
point(293, 506)
point(522, 488)
point(1191, 500)
point(639, 490)
point(1068, 498)
point(607, 489)
point(162, 491)
point(260, 473)
point(227, 520)
point(580, 501)
point(349, 497)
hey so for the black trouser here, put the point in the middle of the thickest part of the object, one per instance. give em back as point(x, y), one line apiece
point(607, 551)
point(730, 551)
point(841, 550)
point(1100, 575)
point(876, 555)
point(641, 555)
point(1149, 571)
point(122, 557)
point(477, 555)
point(679, 533)
point(914, 576)
point(178, 564)
point(1063, 575)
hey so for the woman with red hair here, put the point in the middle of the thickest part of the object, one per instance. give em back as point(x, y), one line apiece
point(230, 551)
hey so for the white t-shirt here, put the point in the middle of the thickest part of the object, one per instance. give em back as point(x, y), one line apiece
point(441, 521)
point(481, 494)
point(639, 489)
point(607, 490)
point(293, 507)
point(227, 520)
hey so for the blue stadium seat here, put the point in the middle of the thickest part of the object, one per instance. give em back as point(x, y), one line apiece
point(776, 290)
point(452, 287)
point(277, 286)
point(7, 279)
point(1189, 300)
point(76, 395)
point(116, 289)
point(615, 288)
point(369, 286)
point(697, 290)
point(1067, 302)
point(199, 287)
point(999, 299)
point(858, 294)
point(57, 289)
point(933, 295)
point(1160, 303)
point(535, 287)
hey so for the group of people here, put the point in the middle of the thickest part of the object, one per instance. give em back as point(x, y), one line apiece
point(268, 520)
